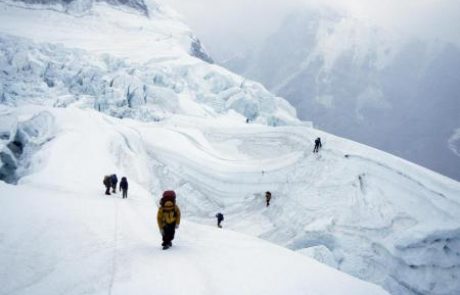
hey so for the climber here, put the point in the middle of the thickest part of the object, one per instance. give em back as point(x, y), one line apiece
point(220, 218)
point(107, 183)
point(268, 197)
point(318, 145)
point(124, 187)
point(168, 218)
point(114, 181)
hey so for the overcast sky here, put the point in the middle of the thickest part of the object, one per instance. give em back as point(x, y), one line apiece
point(227, 21)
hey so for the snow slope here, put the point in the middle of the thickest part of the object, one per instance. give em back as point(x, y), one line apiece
point(370, 214)
point(76, 105)
point(59, 234)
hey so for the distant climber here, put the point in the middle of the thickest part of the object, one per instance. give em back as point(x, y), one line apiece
point(114, 181)
point(168, 218)
point(108, 184)
point(220, 218)
point(268, 197)
point(318, 145)
point(124, 187)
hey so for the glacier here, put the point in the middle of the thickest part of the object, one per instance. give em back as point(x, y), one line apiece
point(116, 90)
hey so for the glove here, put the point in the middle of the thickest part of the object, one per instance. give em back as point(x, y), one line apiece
point(177, 226)
point(162, 231)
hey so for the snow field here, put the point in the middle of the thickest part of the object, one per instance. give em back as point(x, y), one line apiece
point(60, 234)
point(354, 213)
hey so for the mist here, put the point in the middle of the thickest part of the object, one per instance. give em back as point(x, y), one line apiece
point(228, 27)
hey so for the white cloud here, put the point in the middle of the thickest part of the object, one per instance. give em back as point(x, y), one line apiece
point(244, 22)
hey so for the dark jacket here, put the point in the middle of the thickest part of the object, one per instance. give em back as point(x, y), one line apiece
point(107, 181)
point(318, 142)
point(124, 184)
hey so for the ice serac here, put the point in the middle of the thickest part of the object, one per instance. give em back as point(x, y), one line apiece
point(20, 141)
point(123, 64)
point(198, 50)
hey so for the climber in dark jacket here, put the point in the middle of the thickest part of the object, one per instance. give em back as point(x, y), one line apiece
point(124, 187)
point(108, 184)
point(114, 181)
point(268, 197)
point(220, 218)
point(318, 145)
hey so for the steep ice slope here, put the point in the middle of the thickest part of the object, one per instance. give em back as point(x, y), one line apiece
point(356, 80)
point(365, 212)
point(59, 234)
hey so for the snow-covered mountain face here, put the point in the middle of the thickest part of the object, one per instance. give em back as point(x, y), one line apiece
point(353, 79)
point(114, 90)
point(85, 6)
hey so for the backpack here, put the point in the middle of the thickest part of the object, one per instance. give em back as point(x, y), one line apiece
point(268, 195)
point(169, 213)
point(168, 196)
point(220, 216)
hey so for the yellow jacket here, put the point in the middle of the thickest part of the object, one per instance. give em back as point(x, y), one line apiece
point(168, 214)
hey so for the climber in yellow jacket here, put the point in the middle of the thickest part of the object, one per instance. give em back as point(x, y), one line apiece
point(168, 218)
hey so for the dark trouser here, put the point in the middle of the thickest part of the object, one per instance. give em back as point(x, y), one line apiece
point(218, 222)
point(168, 236)
point(316, 149)
point(107, 189)
point(125, 193)
point(114, 188)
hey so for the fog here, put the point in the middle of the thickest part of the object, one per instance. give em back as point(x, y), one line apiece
point(355, 97)
point(235, 25)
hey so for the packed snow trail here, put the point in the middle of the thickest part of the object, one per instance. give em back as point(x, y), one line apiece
point(56, 242)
